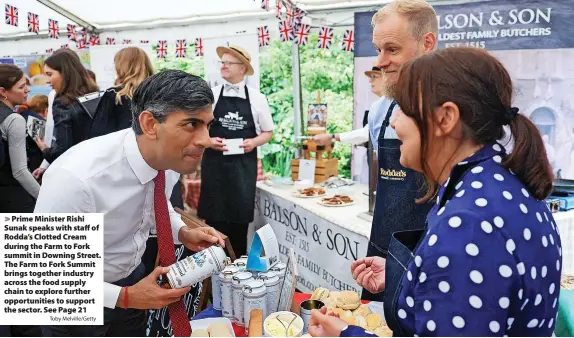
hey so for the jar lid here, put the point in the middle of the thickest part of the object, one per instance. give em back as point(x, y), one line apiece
point(254, 286)
point(241, 276)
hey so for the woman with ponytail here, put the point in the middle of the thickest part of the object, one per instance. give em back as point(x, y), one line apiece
point(488, 262)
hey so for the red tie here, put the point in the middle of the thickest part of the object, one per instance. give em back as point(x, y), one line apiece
point(177, 313)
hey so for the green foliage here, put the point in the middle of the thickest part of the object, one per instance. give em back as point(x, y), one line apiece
point(327, 70)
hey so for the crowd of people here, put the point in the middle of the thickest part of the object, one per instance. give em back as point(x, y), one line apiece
point(462, 244)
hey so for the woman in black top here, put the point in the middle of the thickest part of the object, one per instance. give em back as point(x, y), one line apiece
point(113, 112)
point(72, 123)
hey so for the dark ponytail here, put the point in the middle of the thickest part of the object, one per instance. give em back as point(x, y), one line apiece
point(528, 159)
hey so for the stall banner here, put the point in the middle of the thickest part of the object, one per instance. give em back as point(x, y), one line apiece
point(533, 40)
point(324, 251)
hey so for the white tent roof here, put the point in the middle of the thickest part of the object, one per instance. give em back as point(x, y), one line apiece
point(106, 15)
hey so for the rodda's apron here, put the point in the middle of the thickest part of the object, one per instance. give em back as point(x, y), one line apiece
point(228, 182)
point(395, 206)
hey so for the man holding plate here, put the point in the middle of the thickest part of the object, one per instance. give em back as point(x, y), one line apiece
point(242, 122)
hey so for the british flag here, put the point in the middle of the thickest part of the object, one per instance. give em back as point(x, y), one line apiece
point(33, 23)
point(265, 4)
point(81, 44)
point(180, 48)
point(162, 49)
point(71, 32)
point(127, 42)
point(110, 41)
point(94, 40)
point(199, 47)
point(302, 34)
point(49, 50)
point(298, 15)
point(11, 15)
point(325, 37)
point(53, 29)
point(144, 41)
point(291, 14)
point(349, 41)
point(278, 9)
point(285, 30)
point(263, 33)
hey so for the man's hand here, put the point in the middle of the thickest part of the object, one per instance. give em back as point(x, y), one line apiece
point(323, 139)
point(248, 145)
point(218, 144)
point(38, 173)
point(40, 143)
point(322, 324)
point(146, 294)
point(369, 272)
point(199, 238)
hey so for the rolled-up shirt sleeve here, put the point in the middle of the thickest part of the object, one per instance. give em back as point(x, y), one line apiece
point(357, 136)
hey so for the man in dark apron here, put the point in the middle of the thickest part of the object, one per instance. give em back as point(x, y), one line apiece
point(397, 187)
point(227, 197)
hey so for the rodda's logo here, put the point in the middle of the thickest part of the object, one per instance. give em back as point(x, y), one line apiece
point(392, 174)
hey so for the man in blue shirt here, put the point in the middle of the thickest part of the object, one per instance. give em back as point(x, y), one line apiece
point(402, 30)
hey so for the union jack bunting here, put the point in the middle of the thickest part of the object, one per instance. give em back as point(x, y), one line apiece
point(144, 41)
point(11, 15)
point(285, 31)
point(278, 9)
point(298, 15)
point(53, 30)
point(81, 44)
point(49, 50)
point(349, 41)
point(291, 15)
point(180, 48)
point(94, 40)
point(162, 49)
point(127, 42)
point(199, 47)
point(71, 32)
point(263, 33)
point(325, 37)
point(110, 41)
point(302, 34)
point(265, 4)
point(33, 23)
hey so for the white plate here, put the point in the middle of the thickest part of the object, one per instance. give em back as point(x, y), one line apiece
point(297, 194)
point(203, 324)
point(335, 205)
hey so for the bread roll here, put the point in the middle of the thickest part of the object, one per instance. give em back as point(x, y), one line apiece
point(383, 331)
point(219, 330)
point(349, 319)
point(199, 333)
point(374, 320)
point(320, 294)
point(363, 310)
point(348, 300)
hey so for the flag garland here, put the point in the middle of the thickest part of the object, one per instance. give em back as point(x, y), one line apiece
point(11, 15)
point(180, 48)
point(71, 32)
point(263, 34)
point(349, 41)
point(53, 29)
point(285, 31)
point(302, 34)
point(161, 49)
point(110, 41)
point(325, 37)
point(199, 47)
point(33, 23)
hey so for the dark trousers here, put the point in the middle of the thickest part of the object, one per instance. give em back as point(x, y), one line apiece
point(118, 322)
point(237, 233)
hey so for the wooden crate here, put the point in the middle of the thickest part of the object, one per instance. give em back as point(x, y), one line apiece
point(324, 169)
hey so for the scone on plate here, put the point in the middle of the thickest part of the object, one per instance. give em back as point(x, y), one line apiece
point(373, 321)
point(219, 330)
point(383, 331)
point(320, 294)
point(348, 300)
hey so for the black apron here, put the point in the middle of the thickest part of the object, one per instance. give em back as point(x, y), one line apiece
point(395, 207)
point(228, 182)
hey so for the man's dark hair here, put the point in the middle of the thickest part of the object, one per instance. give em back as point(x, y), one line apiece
point(167, 92)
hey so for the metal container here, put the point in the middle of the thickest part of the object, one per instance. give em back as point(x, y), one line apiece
point(271, 281)
point(194, 269)
point(253, 298)
point(238, 281)
point(225, 278)
point(216, 289)
point(242, 259)
point(306, 307)
point(280, 269)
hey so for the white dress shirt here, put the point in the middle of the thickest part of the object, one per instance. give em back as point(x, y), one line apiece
point(357, 136)
point(108, 175)
point(49, 129)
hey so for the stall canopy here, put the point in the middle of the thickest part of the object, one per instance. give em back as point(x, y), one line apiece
point(106, 15)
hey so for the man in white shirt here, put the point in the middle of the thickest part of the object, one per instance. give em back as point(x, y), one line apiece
point(242, 114)
point(116, 175)
point(358, 136)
